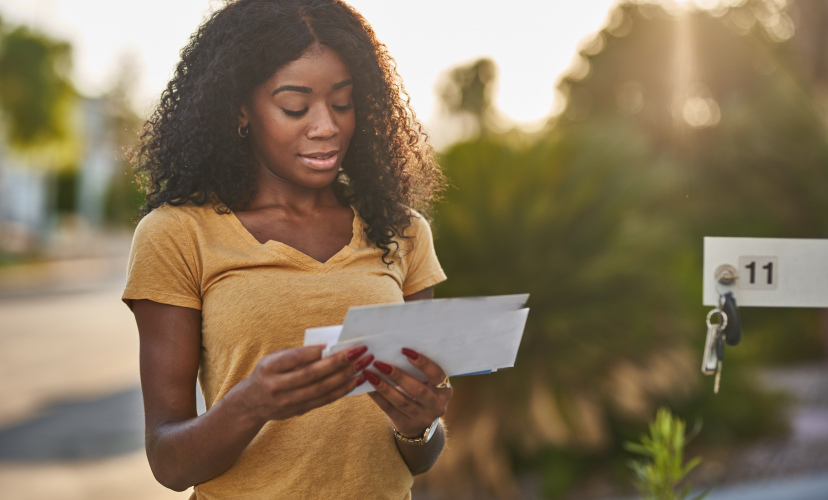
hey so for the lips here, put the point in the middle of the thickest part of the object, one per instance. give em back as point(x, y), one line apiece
point(320, 160)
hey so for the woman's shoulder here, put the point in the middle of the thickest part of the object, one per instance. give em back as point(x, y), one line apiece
point(415, 235)
point(177, 217)
point(417, 224)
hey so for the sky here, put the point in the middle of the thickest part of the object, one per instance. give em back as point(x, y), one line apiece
point(532, 41)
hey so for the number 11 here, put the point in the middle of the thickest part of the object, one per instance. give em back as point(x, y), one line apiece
point(752, 267)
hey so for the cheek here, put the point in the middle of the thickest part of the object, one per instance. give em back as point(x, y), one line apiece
point(280, 134)
point(348, 126)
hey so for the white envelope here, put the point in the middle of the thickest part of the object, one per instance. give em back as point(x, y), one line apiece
point(464, 336)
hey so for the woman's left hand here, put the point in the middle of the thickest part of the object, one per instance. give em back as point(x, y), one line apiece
point(422, 402)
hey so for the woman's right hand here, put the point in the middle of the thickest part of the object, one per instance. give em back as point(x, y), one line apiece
point(291, 382)
point(185, 448)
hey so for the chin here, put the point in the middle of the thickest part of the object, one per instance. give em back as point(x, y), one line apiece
point(318, 180)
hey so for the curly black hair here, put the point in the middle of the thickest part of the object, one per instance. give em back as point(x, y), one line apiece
point(190, 150)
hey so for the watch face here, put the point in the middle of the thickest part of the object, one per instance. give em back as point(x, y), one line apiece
point(432, 429)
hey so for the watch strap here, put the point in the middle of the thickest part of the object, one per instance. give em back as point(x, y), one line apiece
point(422, 440)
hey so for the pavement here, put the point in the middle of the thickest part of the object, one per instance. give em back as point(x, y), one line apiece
point(794, 488)
point(71, 416)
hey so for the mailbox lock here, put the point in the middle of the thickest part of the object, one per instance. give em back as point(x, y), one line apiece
point(726, 274)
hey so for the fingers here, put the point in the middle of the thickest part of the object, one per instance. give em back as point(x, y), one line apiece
point(393, 413)
point(331, 383)
point(411, 409)
point(430, 369)
point(289, 359)
point(415, 405)
point(409, 385)
point(311, 404)
point(317, 370)
point(295, 381)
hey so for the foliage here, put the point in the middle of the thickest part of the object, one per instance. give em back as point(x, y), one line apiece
point(125, 197)
point(469, 90)
point(36, 96)
point(66, 191)
point(658, 476)
point(601, 219)
point(43, 123)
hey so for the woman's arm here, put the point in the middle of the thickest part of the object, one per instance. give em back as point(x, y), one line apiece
point(185, 449)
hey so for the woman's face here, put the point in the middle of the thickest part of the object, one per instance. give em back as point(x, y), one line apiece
point(302, 119)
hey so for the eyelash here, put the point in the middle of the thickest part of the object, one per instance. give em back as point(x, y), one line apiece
point(301, 112)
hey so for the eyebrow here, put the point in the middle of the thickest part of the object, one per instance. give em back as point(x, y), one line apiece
point(293, 88)
point(343, 84)
point(308, 90)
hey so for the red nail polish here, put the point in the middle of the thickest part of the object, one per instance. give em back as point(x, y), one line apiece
point(383, 367)
point(410, 354)
point(364, 362)
point(360, 381)
point(372, 377)
point(355, 353)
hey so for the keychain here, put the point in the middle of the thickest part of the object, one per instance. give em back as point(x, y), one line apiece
point(714, 346)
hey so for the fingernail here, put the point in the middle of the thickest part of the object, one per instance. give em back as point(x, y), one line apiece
point(383, 367)
point(364, 362)
point(410, 354)
point(360, 381)
point(355, 353)
point(373, 378)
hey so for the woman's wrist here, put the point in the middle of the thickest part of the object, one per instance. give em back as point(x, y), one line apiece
point(243, 400)
point(411, 433)
point(416, 433)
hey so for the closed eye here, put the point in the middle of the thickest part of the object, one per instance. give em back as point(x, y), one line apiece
point(344, 108)
point(295, 113)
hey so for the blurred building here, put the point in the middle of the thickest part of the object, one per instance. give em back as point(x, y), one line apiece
point(29, 188)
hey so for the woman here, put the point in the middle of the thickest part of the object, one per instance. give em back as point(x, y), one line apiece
point(283, 167)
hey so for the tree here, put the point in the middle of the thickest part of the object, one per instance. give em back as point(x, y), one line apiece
point(677, 126)
point(36, 97)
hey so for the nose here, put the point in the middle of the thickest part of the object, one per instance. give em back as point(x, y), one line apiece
point(323, 124)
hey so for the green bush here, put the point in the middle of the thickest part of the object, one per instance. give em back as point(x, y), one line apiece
point(663, 469)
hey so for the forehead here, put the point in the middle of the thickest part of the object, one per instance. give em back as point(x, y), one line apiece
point(318, 68)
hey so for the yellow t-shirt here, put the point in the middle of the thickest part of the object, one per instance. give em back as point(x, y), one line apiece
point(257, 298)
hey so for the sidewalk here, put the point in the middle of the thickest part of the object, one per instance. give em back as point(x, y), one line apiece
point(800, 488)
point(795, 488)
point(68, 350)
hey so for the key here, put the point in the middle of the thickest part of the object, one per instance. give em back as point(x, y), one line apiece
point(714, 346)
point(710, 358)
point(720, 347)
point(718, 378)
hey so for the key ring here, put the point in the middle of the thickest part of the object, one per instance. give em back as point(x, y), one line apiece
point(722, 317)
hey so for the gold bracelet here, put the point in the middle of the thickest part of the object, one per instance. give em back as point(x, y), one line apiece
point(423, 439)
point(418, 441)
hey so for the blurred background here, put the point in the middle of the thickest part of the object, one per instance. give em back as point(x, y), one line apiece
point(590, 146)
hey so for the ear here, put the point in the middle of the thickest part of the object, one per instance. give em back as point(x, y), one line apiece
point(244, 114)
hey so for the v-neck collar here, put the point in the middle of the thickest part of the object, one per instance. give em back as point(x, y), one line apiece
point(295, 255)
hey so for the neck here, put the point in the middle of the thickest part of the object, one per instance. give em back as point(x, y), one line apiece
point(273, 191)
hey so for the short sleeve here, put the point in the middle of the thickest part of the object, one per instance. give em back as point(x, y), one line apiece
point(422, 269)
point(162, 265)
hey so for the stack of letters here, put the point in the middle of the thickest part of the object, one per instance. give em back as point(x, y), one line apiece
point(465, 336)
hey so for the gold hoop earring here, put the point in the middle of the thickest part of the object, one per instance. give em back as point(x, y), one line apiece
point(246, 131)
